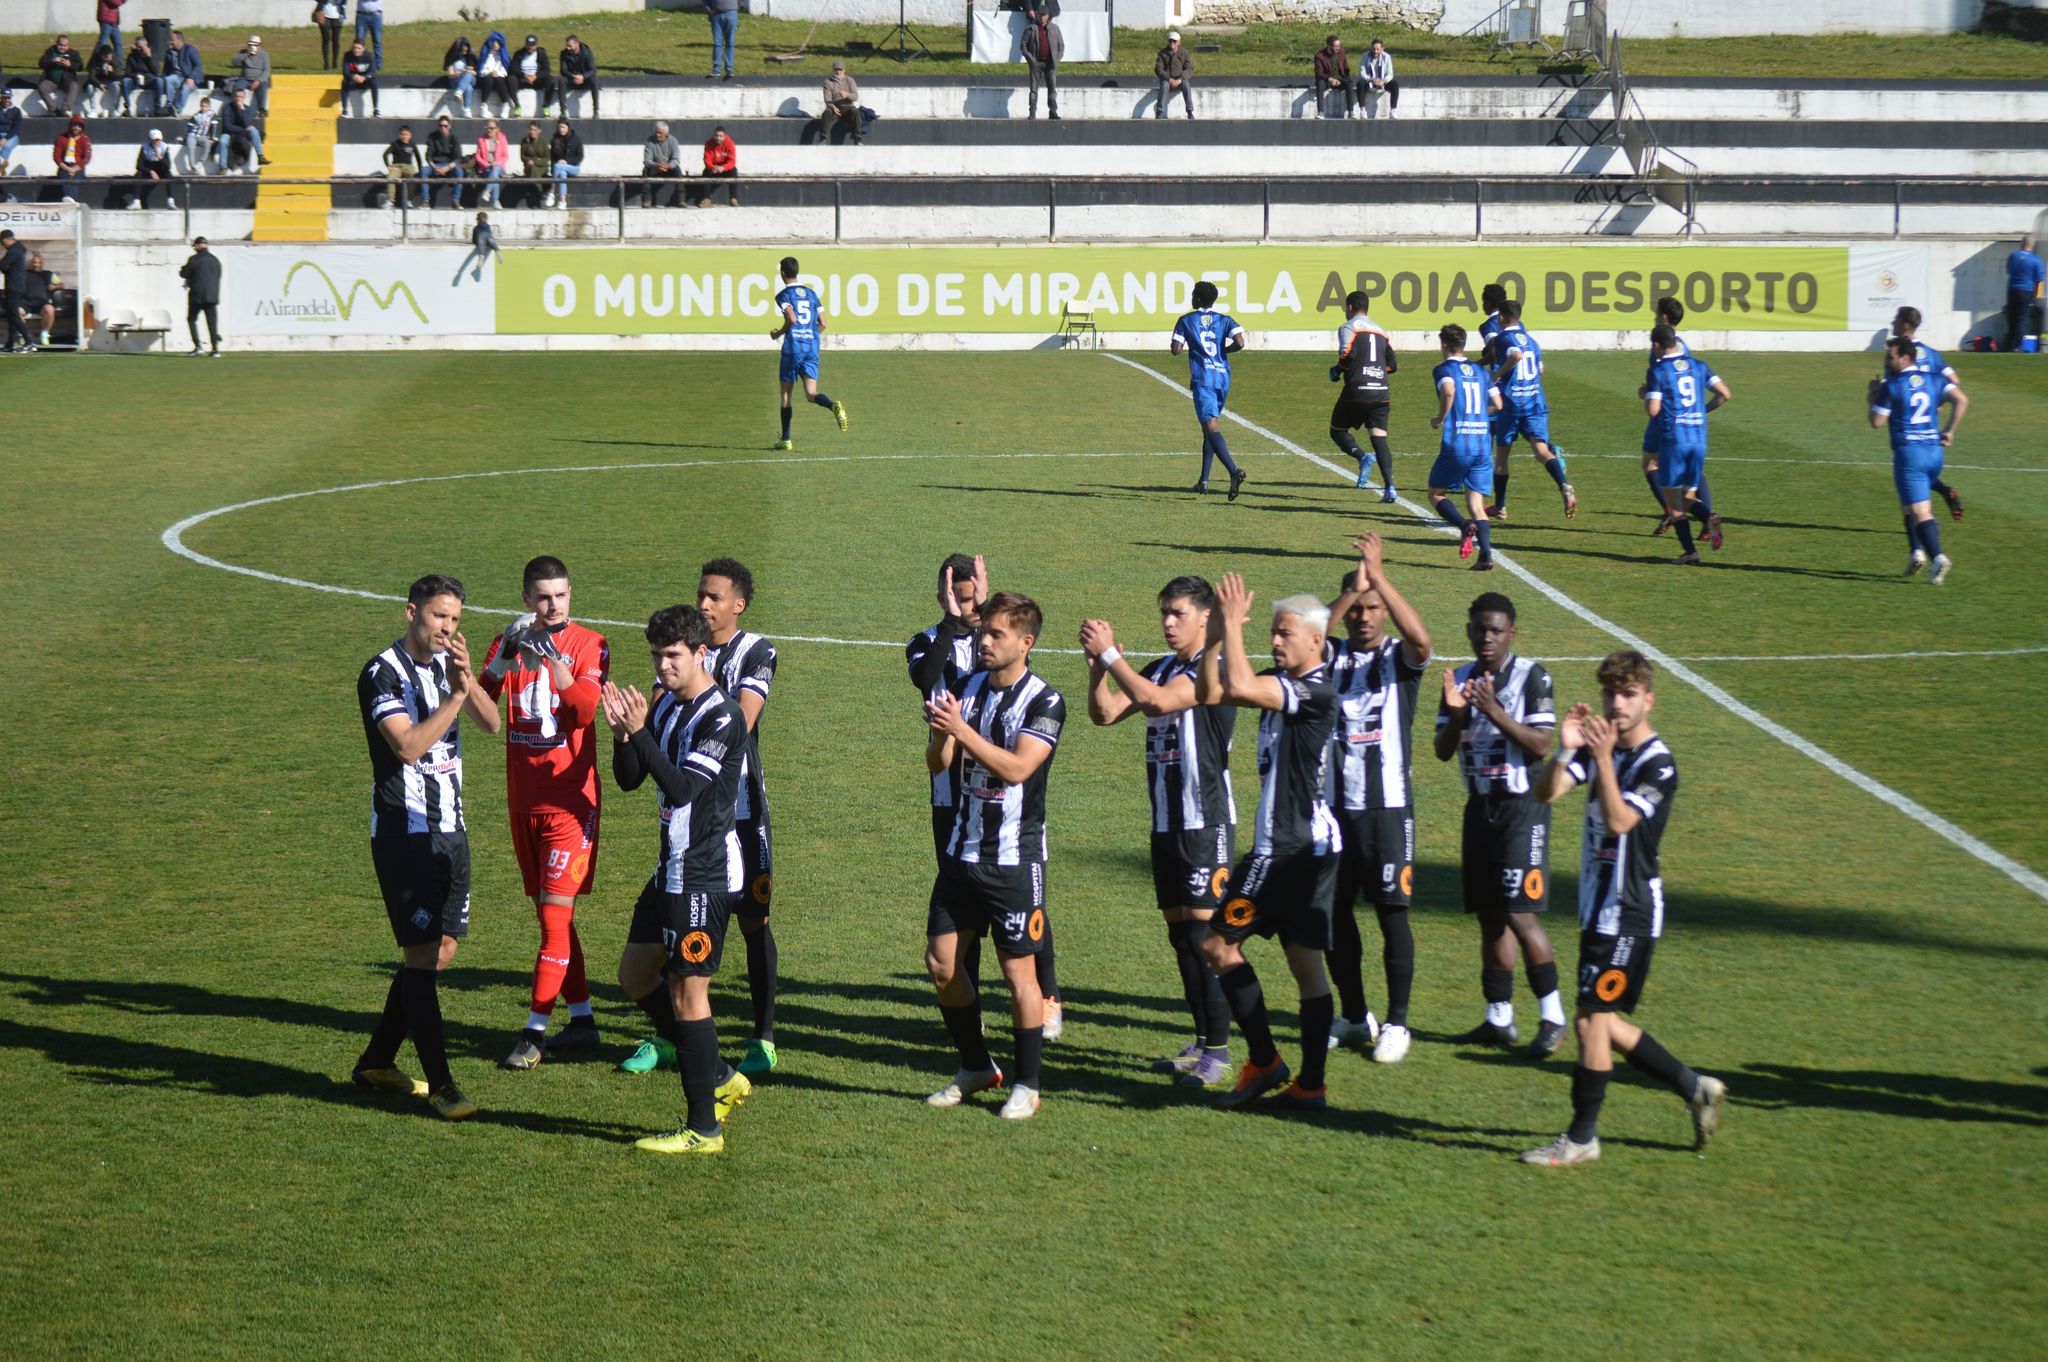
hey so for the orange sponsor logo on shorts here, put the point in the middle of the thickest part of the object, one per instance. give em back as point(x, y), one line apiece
point(1610, 985)
point(580, 866)
point(1238, 912)
point(1035, 928)
point(695, 948)
point(1407, 879)
point(1219, 882)
point(764, 885)
point(1532, 884)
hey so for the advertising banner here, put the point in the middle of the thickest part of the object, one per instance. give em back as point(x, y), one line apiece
point(320, 290)
point(1025, 289)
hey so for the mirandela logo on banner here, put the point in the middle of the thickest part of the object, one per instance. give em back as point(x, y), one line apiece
point(338, 305)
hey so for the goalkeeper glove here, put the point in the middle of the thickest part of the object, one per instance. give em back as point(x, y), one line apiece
point(538, 646)
point(509, 644)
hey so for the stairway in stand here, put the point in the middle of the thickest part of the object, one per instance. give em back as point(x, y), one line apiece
point(299, 136)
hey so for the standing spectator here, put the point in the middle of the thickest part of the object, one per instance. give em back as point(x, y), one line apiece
point(38, 302)
point(402, 163)
point(10, 140)
point(327, 15)
point(184, 73)
point(252, 66)
point(725, 27)
point(842, 102)
point(358, 75)
point(530, 72)
point(493, 161)
point(533, 159)
point(13, 283)
point(153, 166)
point(494, 75)
point(137, 77)
point(201, 274)
point(1333, 76)
point(1378, 78)
point(63, 77)
point(579, 73)
point(370, 20)
point(565, 161)
point(103, 78)
point(200, 135)
point(661, 159)
point(109, 15)
point(72, 152)
point(1044, 45)
point(1174, 67)
point(444, 163)
point(460, 64)
point(2022, 277)
point(721, 162)
point(240, 132)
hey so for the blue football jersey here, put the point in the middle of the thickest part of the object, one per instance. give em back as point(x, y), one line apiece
point(1489, 334)
point(1525, 384)
point(1469, 427)
point(1911, 402)
point(1650, 370)
point(801, 340)
point(1205, 332)
point(1681, 382)
point(1928, 360)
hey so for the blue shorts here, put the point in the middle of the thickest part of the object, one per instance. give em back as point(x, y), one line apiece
point(1912, 470)
point(1531, 423)
point(795, 367)
point(1463, 470)
point(1680, 465)
point(1209, 400)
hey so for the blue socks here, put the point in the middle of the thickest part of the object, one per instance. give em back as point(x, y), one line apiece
point(1556, 470)
point(1485, 529)
point(1213, 448)
point(823, 401)
point(785, 420)
point(1927, 536)
point(1449, 512)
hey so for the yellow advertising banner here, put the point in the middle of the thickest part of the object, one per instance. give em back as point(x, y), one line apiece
point(1026, 289)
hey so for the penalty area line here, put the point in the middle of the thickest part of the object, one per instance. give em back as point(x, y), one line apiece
point(1911, 808)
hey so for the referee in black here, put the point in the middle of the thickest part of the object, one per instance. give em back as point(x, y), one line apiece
point(1365, 361)
point(201, 274)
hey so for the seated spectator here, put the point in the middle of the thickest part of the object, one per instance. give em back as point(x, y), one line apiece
point(1174, 67)
point(200, 135)
point(138, 76)
point(37, 306)
point(402, 163)
point(444, 163)
point(252, 73)
point(533, 158)
point(565, 161)
point(530, 72)
point(579, 73)
point(10, 139)
point(183, 74)
point(63, 79)
point(842, 103)
point(492, 161)
point(721, 162)
point(494, 75)
point(358, 76)
point(661, 158)
point(1377, 79)
point(240, 135)
point(460, 64)
point(153, 167)
point(103, 78)
point(327, 15)
point(72, 151)
point(1333, 76)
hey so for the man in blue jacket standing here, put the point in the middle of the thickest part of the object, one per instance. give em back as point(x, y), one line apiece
point(2022, 278)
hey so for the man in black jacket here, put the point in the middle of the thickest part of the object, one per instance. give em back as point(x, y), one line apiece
point(63, 82)
point(202, 294)
point(14, 281)
point(579, 73)
point(240, 131)
point(444, 163)
point(359, 75)
point(530, 72)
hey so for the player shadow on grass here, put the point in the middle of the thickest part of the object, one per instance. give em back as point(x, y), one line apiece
point(1661, 554)
point(1927, 1097)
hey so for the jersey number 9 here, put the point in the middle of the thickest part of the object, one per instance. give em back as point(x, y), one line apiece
point(1688, 390)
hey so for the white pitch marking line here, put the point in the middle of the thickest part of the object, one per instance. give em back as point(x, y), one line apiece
point(1919, 813)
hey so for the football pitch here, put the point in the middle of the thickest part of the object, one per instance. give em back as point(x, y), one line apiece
point(195, 949)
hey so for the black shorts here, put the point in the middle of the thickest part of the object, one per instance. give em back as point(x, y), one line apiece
point(1378, 859)
point(689, 927)
point(1288, 898)
point(757, 862)
point(1507, 854)
point(425, 880)
point(1612, 971)
point(1006, 901)
point(942, 829)
point(1350, 413)
point(1191, 869)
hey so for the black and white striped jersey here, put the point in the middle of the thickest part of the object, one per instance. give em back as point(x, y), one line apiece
point(705, 742)
point(995, 823)
point(1294, 817)
point(942, 660)
point(1187, 759)
point(1375, 724)
point(1489, 761)
point(746, 663)
point(410, 796)
point(1621, 887)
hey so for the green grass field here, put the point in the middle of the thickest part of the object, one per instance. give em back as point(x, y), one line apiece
point(194, 948)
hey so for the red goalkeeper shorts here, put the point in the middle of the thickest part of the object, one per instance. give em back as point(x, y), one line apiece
point(557, 851)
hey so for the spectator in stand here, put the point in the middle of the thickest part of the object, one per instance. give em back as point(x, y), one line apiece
point(327, 16)
point(1044, 45)
point(103, 78)
point(63, 77)
point(72, 151)
point(108, 13)
point(460, 64)
point(38, 302)
point(201, 274)
point(725, 27)
point(153, 166)
point(184, 73)
point(2023, 274)
point(1174, 67)
point(530, 72)
point(721, 162)
point(492, 161)
point(579, 73)
point(358, 76)
point(842, 103)
point(13, 282)
point(661, 158)
point(533, 159)
point(252, 73)
point(402, 163)
point(1333, 76)
point(137, 77)
point(200, 135)
point(10, 140)
point(444, 164)
point(240, 134)
point(565, 161)
point(494, 75)
point(1378, 79)
point(370, 21)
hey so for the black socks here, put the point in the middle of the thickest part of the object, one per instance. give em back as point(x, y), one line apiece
point(762, 959)
point(382, 1051)
point(1199, 985)
point(1030, 1046)
point(1316, 1014)
point(1543, 979)
point(1659, 1063)
point(1046, 967)
point(964, 1025)
point(1383, 453)
point(421, 992)
point(1347, 961)
point(1589, 1090)
point(1399, 954)
point(697, 1056)
point(1500, 480)
point(661, 1011)
point(1248, 1004)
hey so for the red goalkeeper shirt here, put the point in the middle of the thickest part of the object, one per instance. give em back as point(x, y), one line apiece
point(550, 739)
